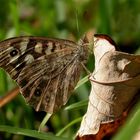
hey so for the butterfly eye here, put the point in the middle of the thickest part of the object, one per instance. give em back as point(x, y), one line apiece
point(14, 52)
point(37, 92)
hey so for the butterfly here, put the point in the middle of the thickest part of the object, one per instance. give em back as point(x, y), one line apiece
point(45, 69)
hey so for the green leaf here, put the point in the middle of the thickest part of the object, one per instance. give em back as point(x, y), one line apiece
point(31, 133)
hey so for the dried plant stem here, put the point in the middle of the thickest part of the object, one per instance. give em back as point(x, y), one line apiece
point(8, 97)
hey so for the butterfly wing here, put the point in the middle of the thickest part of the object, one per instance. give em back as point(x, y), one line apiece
point(49, 88)
point(46, 70)
point(16, 53)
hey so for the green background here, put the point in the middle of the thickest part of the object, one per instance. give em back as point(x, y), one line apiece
point(67, 19)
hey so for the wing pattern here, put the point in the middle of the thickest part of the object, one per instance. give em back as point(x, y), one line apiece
point(46, 70)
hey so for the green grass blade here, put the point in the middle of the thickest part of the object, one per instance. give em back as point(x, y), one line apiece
point(46, 118)
point(131, 126)
point(78, 105)
point(82, 81)
point(69, 125)
point(31, 133)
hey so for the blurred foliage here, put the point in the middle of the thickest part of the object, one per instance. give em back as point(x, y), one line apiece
point(70, 20)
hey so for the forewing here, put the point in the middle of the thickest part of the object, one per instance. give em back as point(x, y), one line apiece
point(16, 53)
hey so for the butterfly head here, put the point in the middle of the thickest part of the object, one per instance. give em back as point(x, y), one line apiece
point(84, 46)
